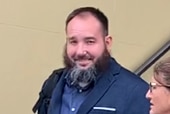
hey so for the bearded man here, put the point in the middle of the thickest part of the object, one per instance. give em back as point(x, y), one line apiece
point(92, 81)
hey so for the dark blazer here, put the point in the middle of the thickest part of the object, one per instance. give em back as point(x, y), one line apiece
point(118, 91)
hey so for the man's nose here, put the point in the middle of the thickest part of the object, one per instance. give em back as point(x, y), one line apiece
point(81, 50)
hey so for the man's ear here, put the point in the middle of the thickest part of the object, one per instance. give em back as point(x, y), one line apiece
point(108, 42)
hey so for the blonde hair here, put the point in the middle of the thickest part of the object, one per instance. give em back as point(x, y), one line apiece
point(163, 67)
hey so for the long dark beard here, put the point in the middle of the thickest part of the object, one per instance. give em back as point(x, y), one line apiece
point(84, 77)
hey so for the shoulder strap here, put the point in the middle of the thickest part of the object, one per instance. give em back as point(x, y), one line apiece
point(47, 89)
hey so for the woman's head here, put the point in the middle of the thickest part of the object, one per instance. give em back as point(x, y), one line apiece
point(159, 92)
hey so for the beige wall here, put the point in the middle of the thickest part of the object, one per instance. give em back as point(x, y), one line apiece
point(32, 39)
point(149, 72)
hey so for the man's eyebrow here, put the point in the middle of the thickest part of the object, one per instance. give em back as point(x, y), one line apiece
point(86, 38)
point(89, 37)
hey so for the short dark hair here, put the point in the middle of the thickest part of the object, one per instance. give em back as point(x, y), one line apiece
point(93, 11)
point(163, 67)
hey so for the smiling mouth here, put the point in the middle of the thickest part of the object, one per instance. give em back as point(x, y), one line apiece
point(83, 63)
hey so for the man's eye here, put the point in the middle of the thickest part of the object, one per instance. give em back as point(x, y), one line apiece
point(90, 42)
point(72, 42)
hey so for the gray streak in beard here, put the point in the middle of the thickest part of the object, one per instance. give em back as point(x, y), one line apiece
point(82, 77)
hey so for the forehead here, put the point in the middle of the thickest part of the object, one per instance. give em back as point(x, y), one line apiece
point(87, 24)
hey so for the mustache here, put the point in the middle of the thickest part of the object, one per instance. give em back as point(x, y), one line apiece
point(80, 57)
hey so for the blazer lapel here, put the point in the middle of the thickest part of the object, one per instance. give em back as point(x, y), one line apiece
point(97, 92)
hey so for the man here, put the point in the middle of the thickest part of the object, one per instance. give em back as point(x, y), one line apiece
point(92, 81)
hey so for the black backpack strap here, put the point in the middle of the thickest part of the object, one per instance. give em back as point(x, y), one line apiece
point(46, 92)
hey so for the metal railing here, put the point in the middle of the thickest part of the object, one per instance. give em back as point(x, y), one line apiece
point(148, 63)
